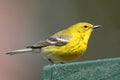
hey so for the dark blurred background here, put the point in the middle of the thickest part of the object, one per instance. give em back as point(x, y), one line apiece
point(25, 22)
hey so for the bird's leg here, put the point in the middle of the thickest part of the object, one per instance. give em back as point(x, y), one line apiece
point(62, 62)
point(51, 61)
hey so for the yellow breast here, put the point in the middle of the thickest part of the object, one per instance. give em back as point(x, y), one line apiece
point(75, 48)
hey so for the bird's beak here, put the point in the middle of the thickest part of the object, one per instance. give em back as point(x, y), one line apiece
point(96, 26)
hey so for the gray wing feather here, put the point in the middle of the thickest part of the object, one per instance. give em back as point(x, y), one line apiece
point(58, 41)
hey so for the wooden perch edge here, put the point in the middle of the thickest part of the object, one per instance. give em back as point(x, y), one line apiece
point(104, 69)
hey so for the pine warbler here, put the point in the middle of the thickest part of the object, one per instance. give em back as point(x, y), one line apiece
point(65, 45)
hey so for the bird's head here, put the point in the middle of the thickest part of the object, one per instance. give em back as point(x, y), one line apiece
point(84, 27)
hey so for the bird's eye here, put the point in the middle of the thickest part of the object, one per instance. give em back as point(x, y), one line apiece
point(85, 26)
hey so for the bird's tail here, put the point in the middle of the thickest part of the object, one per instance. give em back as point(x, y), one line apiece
point(20, 51)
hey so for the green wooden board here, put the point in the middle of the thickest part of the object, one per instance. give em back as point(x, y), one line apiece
point(104, 69)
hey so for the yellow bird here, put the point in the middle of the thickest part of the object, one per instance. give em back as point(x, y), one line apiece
point(65, 45)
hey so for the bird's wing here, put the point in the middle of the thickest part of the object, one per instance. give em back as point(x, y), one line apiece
point(53, 40)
